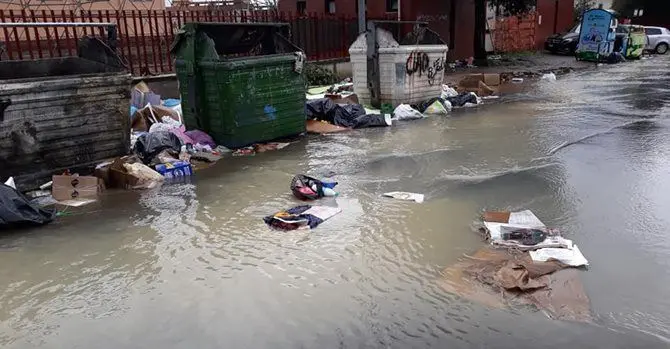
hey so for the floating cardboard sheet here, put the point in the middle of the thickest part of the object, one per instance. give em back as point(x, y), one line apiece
point(498, 278)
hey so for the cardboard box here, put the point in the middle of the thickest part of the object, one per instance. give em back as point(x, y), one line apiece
point(485, 90)
point(492, 79)
point(142, 95)
point(150, 114)
point(69, 187)
point(119, 176)
point(471, 81)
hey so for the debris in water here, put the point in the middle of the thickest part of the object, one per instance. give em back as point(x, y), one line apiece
point(401, 195)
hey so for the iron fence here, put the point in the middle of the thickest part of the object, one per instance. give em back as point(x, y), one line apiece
point(144, 36)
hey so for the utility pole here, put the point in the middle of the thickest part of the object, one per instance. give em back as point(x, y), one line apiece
point(361, 16)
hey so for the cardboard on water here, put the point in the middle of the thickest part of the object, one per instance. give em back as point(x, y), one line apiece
point(496, 217)
point(69, 187)
point(492, 79)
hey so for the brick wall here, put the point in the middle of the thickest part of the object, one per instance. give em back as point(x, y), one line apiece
point(513, 34)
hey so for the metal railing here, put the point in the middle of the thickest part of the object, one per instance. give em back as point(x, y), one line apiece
point(143, 38)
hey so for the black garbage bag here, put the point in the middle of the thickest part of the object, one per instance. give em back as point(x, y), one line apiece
point(421, 107)
point(462, 99)
point(324, 109)
point(370, 120)
point(16, 210)
point(615, 57)
point(149, 145)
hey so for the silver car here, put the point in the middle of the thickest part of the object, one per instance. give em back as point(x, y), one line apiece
point(659, 39)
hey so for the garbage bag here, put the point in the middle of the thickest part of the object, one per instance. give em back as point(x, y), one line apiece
point(463, 99)
point(615, 57)
point(16, 210)
point(344, 115)
point(200, 137)
point(439, 108)
point(149, 145)
point(436, 105)
point(448, 92)
point(406, 112)
point(309, 188)
point(372, 120)
point(549, 77)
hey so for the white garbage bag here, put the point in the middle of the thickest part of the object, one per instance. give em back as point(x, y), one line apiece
point(448, 92)
point(406, 112)
point(551, 77)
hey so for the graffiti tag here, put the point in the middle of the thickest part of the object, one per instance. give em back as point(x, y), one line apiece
point(420, 62)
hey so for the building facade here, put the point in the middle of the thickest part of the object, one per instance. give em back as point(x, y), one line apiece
point(452, 19)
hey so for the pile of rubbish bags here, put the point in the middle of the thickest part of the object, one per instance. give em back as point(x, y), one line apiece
point(525, 264)
point(343, 115)
point(342, 112)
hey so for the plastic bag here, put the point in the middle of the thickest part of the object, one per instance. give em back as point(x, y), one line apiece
point(406, 112)
point(448, 92)
point(549, 77)
point(337, 114)
point(439, 108)
point(16, 210)
point(148, 145)
point(463, 99)
point(202, 138)
point(309, 188)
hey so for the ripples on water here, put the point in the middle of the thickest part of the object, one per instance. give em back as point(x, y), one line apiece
point(194, 263)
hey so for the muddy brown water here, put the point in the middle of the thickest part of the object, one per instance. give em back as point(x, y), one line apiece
point(194, 266)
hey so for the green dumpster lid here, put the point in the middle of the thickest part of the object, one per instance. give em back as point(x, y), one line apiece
point(240, 38)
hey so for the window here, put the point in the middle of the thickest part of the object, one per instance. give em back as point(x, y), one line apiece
point(391, 5)
point(302, 7)
point(653, 31)
point(330, 6)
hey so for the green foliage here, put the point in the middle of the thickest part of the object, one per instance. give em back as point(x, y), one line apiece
point(514, 7)
point(316, 75)
point(581, 6)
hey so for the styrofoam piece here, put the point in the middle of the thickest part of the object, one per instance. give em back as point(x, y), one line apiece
point(570, 256)
point(401, 195)
point(526, 218)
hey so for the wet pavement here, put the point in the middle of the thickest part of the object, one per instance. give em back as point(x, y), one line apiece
point(194, 266)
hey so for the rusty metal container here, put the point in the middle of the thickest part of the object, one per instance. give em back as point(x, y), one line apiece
point(62, 113)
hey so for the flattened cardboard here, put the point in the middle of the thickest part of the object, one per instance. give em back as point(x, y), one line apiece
point(496, 217)
point(71, 187)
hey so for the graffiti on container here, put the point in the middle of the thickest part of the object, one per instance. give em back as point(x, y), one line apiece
point(270, 112)
point(419, 62)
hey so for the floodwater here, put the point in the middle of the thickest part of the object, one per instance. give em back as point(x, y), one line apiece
point(194, 266)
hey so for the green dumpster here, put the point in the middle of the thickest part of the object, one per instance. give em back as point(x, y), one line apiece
point(241, 83)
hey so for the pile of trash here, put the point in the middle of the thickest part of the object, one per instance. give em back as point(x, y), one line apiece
point(306, 188)
point(338, 109)
point(525, 264)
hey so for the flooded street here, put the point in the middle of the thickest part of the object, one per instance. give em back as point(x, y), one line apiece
point(195, 266)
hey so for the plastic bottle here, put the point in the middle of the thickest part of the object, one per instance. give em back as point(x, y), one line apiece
point(326, 191)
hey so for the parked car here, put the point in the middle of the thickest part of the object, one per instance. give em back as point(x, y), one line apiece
point(659, 39)
point(563, 42)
